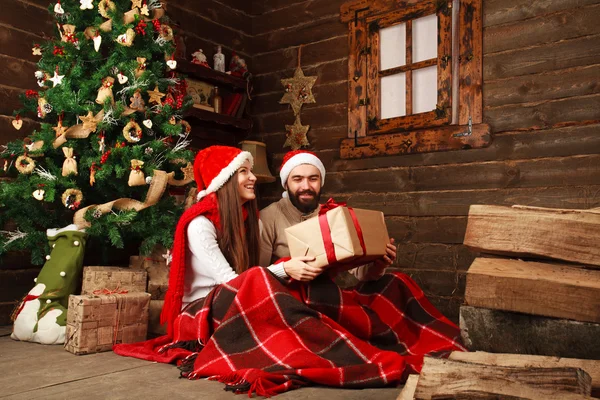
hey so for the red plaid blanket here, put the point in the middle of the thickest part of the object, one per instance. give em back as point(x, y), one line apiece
point(259, 335)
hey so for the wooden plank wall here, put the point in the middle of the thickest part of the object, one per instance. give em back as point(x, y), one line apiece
point(541, 98)
point(203, 23)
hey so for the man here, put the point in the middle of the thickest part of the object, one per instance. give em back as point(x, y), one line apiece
point(302, 176)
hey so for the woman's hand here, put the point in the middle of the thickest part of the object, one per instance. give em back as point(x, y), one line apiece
point(297, 269)
point(381, 264)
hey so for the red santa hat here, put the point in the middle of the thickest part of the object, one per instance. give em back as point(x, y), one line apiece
point(298, 157)
point(214, 166)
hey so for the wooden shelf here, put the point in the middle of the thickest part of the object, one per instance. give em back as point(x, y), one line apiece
point(221, 119)
point(209, 75)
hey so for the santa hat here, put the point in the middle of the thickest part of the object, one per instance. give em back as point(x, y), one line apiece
point(298, 157)
point(214, 166)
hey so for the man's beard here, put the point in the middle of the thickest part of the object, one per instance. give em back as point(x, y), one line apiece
point(306, 207)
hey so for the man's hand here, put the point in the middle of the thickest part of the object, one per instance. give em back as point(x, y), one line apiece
point(297, 269)
point(381, 264)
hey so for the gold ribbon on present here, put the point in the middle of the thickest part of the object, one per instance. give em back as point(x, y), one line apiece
point(155, 192)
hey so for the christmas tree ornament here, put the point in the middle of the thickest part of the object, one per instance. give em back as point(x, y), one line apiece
point(166, 32)
point(97, 41)
point(148, 151)
point(41, 78)
point(59, 129)
point(86, 4)
point(147, 123)
point(89, 122)
point(187, 128)
point(132, 132)
point(155, 95)
point(69, 165)
point(172, 120)
point(72, 198)
point(137, 102)
point(136, 3)
point(93, 169)
point(101, 144)
point(58, 8)
point(144, 10)
point(17, 123)
point(42, 109)
point(90, 32)
point(296, 135)
point(39, 194)
point(56, 79)
point(69, 35)
point(106, 91)
point(172, 64)
point(141, 66)
point(136, 176)
point(122, 78)
point(105, 6)
point(126, 39)
point(36, 50)
point(25, 165)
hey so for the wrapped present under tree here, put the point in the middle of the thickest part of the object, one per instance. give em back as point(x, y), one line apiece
point(96, 323)
point(97, 280)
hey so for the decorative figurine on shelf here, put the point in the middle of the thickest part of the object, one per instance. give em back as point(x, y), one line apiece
point(219, 60)
point(217, 100)
point(200, 58)
point(237, 66)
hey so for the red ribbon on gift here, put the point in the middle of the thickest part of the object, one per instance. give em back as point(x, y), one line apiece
point(326, 231)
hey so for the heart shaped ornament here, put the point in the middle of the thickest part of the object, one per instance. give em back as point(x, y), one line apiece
point(58, 9)
point(147, 123)
point(17, 123)
point(39, 194)
point(122, 78)
point(172, 64)
point(97, 40)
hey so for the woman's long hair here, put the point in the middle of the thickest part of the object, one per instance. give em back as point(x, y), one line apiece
point(238, 240)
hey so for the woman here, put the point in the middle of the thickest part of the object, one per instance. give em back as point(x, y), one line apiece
point(259, 331)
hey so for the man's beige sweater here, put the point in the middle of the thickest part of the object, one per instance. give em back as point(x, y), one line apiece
point(273, 243)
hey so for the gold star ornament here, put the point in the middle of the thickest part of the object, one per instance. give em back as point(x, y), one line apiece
point(298, 90)
point(155, 95)
point(296, 135)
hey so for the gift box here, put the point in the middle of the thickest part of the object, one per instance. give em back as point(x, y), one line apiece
point(96, 322)
point(158, 274)
point(340, 237)
point(98, 280)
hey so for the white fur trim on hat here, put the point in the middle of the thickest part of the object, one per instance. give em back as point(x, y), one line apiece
point(226, 173)
point(299, 159)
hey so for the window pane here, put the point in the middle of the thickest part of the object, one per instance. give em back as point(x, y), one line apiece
point(425, 38)
point(393, 96)
point(393, 46)
point(424, 89)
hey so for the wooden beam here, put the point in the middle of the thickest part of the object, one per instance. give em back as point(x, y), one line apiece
point(592, 367)
point(434, 139)
point(408, 391)
point(497, 331)
point(446, 377)
point(570, 235)
point(551, 290)
point(470, 103)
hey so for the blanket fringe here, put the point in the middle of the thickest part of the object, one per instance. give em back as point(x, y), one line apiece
point(186, 367)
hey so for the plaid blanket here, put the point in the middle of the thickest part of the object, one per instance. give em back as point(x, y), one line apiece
point(259, 335)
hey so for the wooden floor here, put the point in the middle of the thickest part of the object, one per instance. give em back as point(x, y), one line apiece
point(33, 371)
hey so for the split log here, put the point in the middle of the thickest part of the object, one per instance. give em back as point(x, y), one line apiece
point(497, 331)
point(571, 235)
point(408, 391)
point(447, 377)
point(551, 290)
point(592, 367)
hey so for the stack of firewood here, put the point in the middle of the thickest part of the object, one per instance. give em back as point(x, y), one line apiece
point(533, 297)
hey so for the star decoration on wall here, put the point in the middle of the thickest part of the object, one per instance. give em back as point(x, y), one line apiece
point(298, 90)
point(89, 121)
point(56, 79)
point(296, 135)
point(155, 95)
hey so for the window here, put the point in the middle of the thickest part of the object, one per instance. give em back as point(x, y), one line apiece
point(415, 77)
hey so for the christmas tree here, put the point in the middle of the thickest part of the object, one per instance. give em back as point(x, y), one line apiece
point(111, 135)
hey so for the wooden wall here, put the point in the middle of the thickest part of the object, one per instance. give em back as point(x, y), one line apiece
point(203, 23)
point(541, 98)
